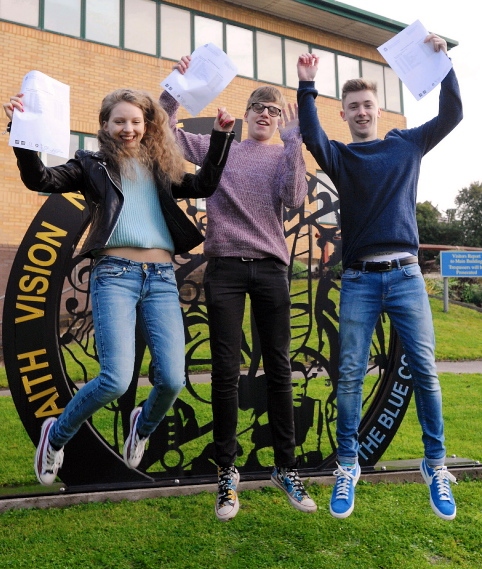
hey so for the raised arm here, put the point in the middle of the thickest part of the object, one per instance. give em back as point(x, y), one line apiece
point(194, 146)
point(307, 66)
point(15, 103)
point(33, 172)
point(206, 180)
point(438, 43)
point(312, 132)
point(450, 111)
point(289, 119)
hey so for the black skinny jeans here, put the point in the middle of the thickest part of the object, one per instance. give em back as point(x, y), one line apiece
point(227, 280)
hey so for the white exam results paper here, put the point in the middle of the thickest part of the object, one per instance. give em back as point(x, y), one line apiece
point(44, 126)
point(417, 65)
point(210, 71)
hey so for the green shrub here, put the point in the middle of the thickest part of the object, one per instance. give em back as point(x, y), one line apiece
point(300, 270)
point(465, 290)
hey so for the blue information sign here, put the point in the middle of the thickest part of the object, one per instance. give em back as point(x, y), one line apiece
point(461, 264)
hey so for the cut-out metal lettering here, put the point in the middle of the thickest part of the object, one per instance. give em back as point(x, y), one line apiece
point(48, 342)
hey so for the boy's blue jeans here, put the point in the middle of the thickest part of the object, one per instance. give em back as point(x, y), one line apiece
point(125, 292)
point(401, 294)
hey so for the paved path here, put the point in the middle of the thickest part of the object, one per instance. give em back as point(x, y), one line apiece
point(442, 367)
point(460, 367)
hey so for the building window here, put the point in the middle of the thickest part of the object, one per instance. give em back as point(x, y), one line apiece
point(201, 204)
point(326, 81)
point(21, 11)
point(63, 16)
point(207, 31)
point(175, 32)
point(393, 94)
point(159, 29)
point(269, 58)
point(348, 68)
point(102, 21)
point(374, 72)
point(140, 28)
point(293, 50)
point(239, 47)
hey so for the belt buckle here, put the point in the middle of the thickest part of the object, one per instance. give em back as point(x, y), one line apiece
point(385, 266)
point(246, 259)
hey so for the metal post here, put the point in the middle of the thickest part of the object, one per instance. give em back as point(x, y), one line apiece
point(446, 294)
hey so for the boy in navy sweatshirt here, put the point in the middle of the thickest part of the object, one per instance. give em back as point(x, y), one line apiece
point(377, 184)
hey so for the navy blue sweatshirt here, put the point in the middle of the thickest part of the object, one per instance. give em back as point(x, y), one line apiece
point(377, 180)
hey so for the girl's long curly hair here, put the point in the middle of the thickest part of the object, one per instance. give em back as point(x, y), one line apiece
point(158, 151)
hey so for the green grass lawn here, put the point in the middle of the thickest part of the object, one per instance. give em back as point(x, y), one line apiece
point(392, 526)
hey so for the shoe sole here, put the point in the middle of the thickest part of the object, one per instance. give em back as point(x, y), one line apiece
point(38, 453)
point(292, 501)
point(235, 509)
point(345, 514)
point(231, 514)
point(435, 510)
point(132, 420)
point(342, 516)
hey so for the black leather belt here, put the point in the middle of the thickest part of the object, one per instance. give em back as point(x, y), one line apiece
point(382, 266)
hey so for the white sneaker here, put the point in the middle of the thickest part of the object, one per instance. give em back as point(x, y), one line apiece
point(47, 459)
point(134, 445)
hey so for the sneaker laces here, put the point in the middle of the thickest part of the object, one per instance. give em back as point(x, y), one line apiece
point(225, 485)
point(53, 459)
point(295, 482)
point(442, 478)
point(138, 446)
point(344, 478)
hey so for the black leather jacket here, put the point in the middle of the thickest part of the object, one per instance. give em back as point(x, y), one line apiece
point(89, 174)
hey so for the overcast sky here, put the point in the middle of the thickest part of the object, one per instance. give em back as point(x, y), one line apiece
point(456, 162)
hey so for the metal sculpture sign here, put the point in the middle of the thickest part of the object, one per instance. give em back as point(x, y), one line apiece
point(49, 350)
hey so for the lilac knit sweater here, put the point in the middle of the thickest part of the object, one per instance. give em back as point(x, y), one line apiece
point(245, 213)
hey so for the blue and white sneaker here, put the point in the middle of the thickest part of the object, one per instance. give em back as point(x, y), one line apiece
point(289, 481)
point(343, 496)
point(227, 503)
point(441, 499)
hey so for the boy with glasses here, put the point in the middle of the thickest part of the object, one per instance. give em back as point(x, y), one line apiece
point(247, 255)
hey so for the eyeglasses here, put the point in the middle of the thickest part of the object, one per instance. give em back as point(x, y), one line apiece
point(272, 111)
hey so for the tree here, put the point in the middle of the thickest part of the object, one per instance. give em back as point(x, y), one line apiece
point(428, 220)
point(434, 229)
point(469, 213)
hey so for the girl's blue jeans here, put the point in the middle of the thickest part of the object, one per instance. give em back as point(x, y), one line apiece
point(125, 293)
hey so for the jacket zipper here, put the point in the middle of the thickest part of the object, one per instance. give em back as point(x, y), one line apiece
point(120, 190)
point(228, 134)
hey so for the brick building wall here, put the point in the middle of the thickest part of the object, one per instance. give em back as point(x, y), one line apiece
point(92, 70)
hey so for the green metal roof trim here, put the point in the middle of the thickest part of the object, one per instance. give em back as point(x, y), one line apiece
point(362, 16)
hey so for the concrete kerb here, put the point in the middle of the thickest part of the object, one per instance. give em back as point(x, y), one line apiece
point(62, 500)
point(407, 472)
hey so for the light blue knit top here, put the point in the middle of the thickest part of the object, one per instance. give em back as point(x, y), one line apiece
point(141, 222)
